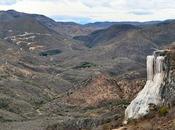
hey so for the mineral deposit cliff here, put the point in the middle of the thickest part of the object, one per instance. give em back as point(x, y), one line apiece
point(160, 86)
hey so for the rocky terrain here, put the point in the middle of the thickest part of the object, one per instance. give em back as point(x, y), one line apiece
point(52, 79)
point(160, 98)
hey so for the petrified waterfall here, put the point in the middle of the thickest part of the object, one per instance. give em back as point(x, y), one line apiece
point(150, 67)
point(152, 91)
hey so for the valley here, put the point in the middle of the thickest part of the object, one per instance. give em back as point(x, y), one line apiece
point(67, 76)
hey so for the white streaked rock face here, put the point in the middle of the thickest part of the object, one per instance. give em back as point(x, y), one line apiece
point(150, 67)
point(151, 93)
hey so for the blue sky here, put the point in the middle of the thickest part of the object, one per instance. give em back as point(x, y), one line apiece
point(84, 11)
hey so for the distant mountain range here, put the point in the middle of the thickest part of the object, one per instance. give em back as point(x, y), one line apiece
point(69, 28)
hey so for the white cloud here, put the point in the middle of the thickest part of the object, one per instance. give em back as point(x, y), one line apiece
point(96, 10)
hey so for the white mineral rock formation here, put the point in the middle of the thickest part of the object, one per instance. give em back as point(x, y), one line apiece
point(151, 93)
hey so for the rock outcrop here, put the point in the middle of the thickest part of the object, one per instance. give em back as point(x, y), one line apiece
point(159, 88)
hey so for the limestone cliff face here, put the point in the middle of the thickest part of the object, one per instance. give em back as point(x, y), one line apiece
point(168, 92)
point(159, 88)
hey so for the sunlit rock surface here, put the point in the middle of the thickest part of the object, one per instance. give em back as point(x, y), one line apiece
point(160, 85)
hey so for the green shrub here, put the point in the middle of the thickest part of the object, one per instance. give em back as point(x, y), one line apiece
point(132, 121)
point(4, 102)
point(50, 52)
point(107, 127)
point(163, 111)
point(85, 65)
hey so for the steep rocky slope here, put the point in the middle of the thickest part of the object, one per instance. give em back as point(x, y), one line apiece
point(103, 89)
point(153, 107)
point(158, 67)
